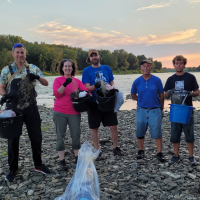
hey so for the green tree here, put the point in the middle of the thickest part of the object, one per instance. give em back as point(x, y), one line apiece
point(108, 59)
point(158, 65)
point(122, 57)
point(81, 59)
point(141, 58)
point(5, 58)
point(133, 62)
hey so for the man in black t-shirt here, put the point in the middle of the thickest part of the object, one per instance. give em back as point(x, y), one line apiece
point(182, 83)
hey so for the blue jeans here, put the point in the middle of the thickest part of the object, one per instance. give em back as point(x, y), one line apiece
point(176, 130)
point(151, 118)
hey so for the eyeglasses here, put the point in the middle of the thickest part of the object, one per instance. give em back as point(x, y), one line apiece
point(18, 45)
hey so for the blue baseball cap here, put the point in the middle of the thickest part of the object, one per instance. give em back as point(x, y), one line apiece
point(18, 45)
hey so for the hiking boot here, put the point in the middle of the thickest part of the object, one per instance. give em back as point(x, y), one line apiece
point(160, 157)
point(140, 154)
point(76, 159)
point(192, 160)
point(43, 169)
point(11, 175)
point(174, 159)
point(118, 151)
point(63, 165)
point(99, 158)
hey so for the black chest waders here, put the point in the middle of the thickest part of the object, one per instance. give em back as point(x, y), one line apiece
point(32, 120)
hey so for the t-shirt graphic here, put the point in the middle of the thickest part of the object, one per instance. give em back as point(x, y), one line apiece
point(180, 92)
point(99, 76)
point(179, 87)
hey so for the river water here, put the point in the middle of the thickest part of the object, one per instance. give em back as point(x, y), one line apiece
point(122, 82)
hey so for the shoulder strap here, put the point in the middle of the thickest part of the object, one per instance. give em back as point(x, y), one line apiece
point(27, 69)
point(11, 70)
point(11, 78)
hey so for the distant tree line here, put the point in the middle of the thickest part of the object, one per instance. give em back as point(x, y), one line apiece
point(187, 69)
point(47, 56)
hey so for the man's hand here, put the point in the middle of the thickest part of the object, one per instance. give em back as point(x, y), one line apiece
point(162, 113)
point(170, 92)
point(4, 98)
point(67, 82)
point(32, 76)
point(97, 84)
point(189, 94)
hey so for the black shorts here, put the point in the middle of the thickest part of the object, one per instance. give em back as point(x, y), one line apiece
point(95, 117)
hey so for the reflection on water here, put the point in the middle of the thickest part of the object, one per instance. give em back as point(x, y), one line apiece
point(130, 104)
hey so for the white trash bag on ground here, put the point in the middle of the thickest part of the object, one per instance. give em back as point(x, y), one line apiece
point(119, 101)
point(84, 184)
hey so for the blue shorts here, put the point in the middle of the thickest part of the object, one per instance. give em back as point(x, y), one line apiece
point(176, 130)
point(151, 118)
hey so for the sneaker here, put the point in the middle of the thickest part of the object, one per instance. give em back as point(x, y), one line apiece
point(140, 154)
point(11, 175)
point(75, 159)
point(192, 160)
point(160, 157)
point(43, 169)
point(118, 151)
point(174, 159)
point(99, 158)
point(63, 165)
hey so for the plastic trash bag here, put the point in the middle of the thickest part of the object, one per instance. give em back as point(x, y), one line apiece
point(84, 184)
point(82, 94)
point(119, 101)
point(7, 113)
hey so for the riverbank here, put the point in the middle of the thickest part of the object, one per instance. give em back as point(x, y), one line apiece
point(115, 72)
point(117, 176)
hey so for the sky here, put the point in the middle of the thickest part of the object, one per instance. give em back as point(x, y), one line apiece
point(157, 29)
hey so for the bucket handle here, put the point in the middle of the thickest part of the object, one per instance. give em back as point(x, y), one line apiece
point(107, 100)
point(103, 102)
point(78, 102)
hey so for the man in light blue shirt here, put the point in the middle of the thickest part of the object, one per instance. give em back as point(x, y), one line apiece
point(147, 90)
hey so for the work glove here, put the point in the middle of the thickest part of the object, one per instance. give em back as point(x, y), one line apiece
point(4, 98)
point(67, 82)
point(189, 94)
point(97, 84)
point(162, 113)
point(32, 76)
point(170, 92)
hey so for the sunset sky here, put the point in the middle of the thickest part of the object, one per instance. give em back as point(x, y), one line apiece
point(158, 29)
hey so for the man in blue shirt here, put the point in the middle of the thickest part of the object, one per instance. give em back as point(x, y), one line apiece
point(147, 90)
point(92, 76)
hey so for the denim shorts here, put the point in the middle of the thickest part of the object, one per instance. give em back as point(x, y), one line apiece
point(176, 130)
point(151, 118)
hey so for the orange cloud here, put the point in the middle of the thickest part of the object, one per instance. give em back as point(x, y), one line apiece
point(81, 37)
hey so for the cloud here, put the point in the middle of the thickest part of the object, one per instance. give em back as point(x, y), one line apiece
point(194, 1)
point(116, 32)
point(98, 28)
point(9, 1)
point(81, 37)
point(154, 6)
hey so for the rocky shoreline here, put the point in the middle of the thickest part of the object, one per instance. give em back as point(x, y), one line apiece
point(118, 177)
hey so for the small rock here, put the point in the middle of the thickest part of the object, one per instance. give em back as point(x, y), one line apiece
point(30, 192)
point(192, 176)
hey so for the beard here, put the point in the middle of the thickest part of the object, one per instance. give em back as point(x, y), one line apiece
point(95, 62)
